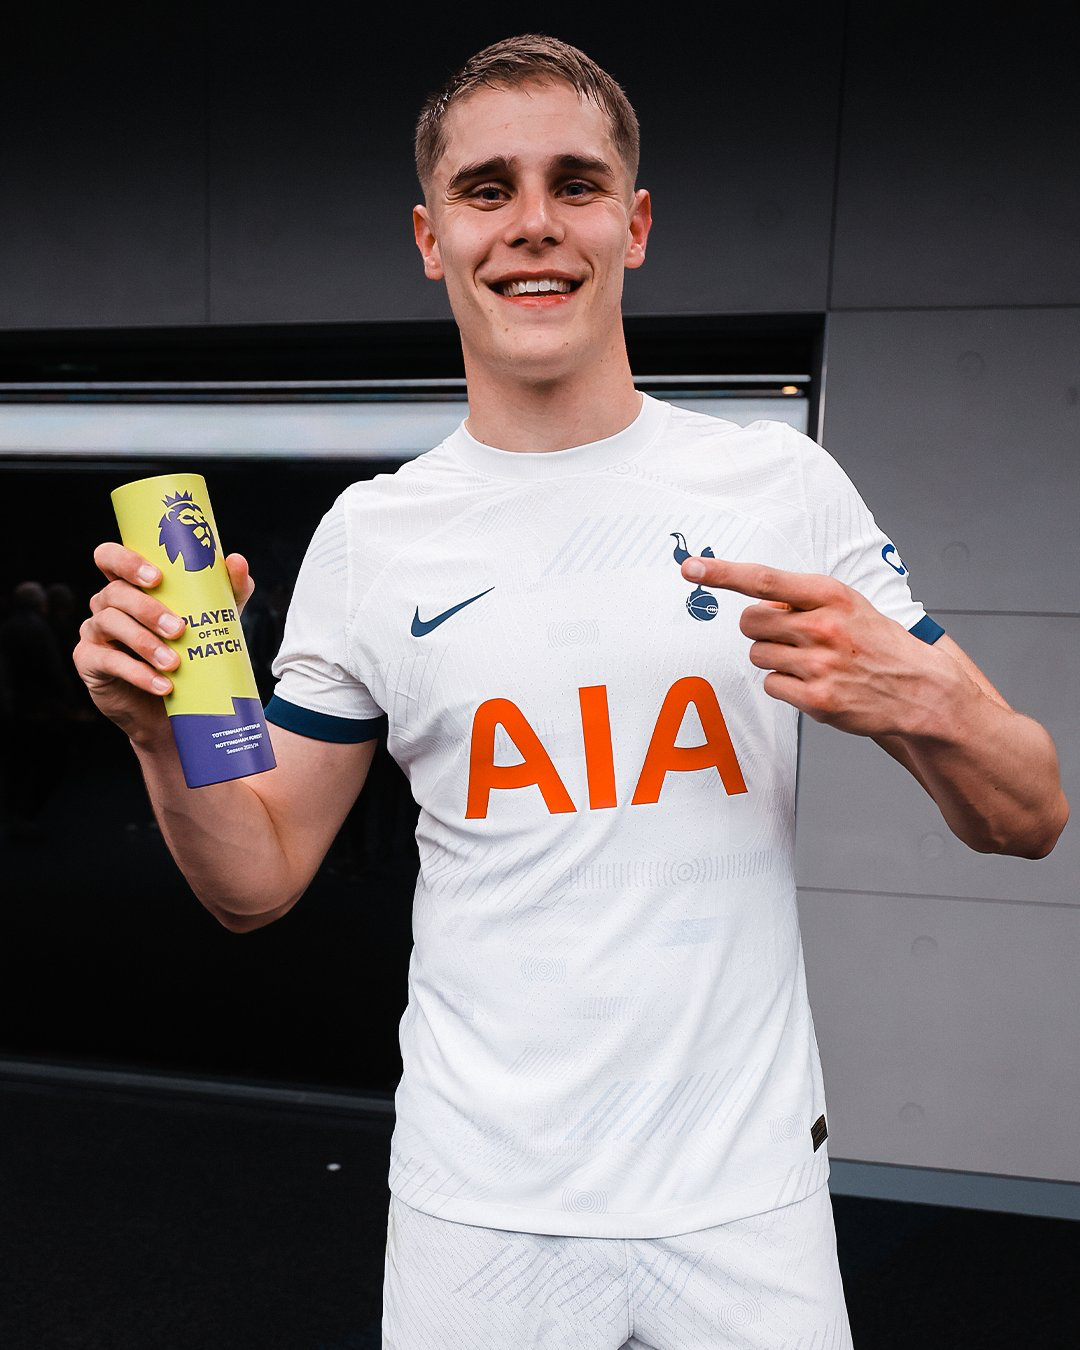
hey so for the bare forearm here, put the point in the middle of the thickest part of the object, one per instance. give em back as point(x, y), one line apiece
point(221, 836)
point(992, 771)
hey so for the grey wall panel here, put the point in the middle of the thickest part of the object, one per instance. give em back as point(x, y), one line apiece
point(102, 162)
point(313, 182)
point(961, 428)
point(947, 1031)
point(958, 168)
point(864, 824)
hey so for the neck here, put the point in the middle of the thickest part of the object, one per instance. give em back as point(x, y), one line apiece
point(573, 408)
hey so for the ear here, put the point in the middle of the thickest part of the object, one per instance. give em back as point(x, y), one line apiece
point(427, 243)
point(639, 225)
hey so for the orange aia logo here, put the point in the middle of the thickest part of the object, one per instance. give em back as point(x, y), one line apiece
point(662, 757)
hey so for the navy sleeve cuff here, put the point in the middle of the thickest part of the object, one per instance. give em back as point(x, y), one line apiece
point(928, 629)
point(322, 726)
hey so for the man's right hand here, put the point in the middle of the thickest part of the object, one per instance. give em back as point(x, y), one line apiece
point(248, 847)
point(120, 656)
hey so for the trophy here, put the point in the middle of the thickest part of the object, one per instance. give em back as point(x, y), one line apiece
point(214, 708)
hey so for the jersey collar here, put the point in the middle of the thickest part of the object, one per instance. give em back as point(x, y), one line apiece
point(594, 455)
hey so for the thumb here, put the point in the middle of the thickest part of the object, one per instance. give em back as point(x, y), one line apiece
point(241, 579)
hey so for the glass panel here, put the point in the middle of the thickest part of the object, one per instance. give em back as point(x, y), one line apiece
point(354, 429)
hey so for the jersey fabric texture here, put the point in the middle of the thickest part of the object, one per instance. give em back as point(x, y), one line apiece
point(607, 1031)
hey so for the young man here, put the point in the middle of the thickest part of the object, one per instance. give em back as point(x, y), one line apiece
point(611, 1122)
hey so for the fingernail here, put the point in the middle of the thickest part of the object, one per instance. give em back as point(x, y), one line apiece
point(163, 656)
point(147, 573)
point(171, 625)
point(160, 684)
point(693, 569)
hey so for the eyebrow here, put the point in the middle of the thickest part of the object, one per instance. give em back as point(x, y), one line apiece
point(503, 165)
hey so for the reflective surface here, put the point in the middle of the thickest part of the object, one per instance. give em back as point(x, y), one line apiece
point(105, 953)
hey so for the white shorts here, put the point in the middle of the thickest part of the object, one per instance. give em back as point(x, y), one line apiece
point(766, 1282)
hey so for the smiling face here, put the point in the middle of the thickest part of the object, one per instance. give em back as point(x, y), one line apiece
point(531, 189)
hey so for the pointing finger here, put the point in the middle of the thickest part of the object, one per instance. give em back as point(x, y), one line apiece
point(799, 590)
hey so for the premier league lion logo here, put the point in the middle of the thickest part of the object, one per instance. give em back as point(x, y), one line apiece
point(185, 530)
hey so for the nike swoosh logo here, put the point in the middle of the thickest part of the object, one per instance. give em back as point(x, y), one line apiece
point(422, 626)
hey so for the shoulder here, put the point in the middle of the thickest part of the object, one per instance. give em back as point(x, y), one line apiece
point(412, 478)
point(771, 451)
point(415, 491)
point(763, 440)
point(386, 515)
point(763, 457)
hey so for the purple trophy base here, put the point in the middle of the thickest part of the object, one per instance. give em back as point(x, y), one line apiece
point(217, 747)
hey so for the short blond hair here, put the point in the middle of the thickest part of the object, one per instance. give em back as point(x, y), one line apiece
point(528, 58)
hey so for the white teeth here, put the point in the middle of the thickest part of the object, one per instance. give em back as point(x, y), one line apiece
point(538, 287)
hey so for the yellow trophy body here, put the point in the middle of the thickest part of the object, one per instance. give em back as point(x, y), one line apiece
point(214, 709)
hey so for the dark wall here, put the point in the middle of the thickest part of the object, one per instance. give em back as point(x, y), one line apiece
point(106, 956)
point(252, 162)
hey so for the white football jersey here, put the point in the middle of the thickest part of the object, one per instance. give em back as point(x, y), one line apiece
point(607, 1031)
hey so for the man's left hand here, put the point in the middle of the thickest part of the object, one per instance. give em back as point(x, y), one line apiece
point(828, 651)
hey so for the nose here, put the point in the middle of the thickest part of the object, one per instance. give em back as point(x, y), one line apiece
point(533, 220)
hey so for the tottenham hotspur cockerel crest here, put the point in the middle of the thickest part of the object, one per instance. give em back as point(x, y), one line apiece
point(185, 530)
point(700, 603)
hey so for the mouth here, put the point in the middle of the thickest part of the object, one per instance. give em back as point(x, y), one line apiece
point(536, 292)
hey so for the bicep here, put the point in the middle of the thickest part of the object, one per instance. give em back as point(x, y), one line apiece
point(309, 794)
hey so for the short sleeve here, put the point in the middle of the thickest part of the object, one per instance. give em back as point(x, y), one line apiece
point(318, 693)
point(848, 543)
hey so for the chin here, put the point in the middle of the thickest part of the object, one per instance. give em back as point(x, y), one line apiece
point(548, 357)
